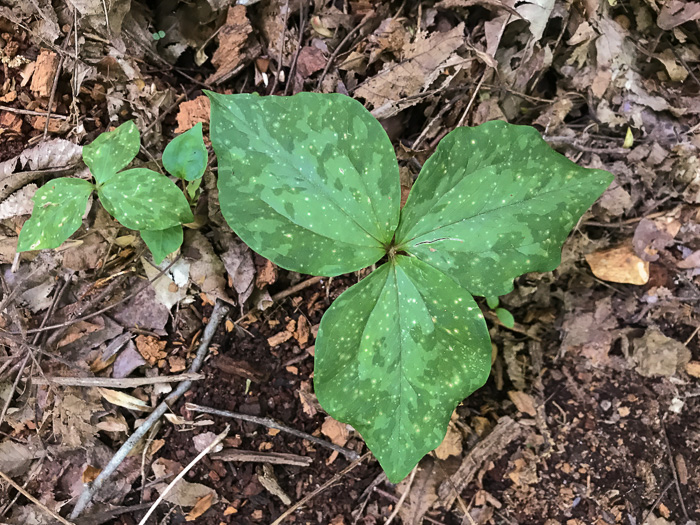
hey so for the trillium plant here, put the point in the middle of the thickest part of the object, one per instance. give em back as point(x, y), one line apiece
point(140, 199)
point(311, 182)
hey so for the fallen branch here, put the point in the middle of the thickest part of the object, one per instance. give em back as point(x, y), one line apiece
point(219, 313)
point(271, 423)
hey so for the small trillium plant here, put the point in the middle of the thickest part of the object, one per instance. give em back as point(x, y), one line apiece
point(312, 183)
point(139, 198)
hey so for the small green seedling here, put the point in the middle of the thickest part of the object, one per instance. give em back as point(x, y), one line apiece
point(312, 183)
point(158, 35)
point(139, 198)
point(504, 316)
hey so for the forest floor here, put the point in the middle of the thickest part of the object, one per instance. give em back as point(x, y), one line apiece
point(592, 411)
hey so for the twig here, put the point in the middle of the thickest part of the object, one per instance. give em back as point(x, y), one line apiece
point(293, 66)
point(31, 112)
point(110, 382)
point(218, 314)
point(284, 293)
point(463, 118)
point(399, 504)
point(273, 458)
point(271, 423)
point(340, 46)
point(656, 502)
point(14, 387)
point(103, 310)
point(54, 85)
point(34, 500)
point(323, 487)
point(675, 472)
point(192, 463)
point(281, 55)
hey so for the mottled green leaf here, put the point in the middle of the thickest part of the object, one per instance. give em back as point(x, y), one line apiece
point(309, 181)
point(395, 354)
point(162, 242)
point(112, 151)
point(59, 206)
point(142, 199)
point(495, 202)
point(186, 156)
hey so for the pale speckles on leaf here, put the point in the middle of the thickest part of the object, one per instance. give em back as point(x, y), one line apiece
point(135, 211)
point(494, 202)
point(59, 206)
point(302, 176)
point(112, 151)
point(186, 155)
point(397, 371)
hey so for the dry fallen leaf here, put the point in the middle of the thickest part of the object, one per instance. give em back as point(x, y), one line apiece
point(121, 399)
point(193, 112)
point(523, 402)
point(422, 64)
point(452, 443)
point(619, 265)
point(658, 355)
point(336, 431)
point(202, 505)
point(693, 368)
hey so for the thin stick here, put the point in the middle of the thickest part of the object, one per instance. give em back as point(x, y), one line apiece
point(323, 487)
point(103, 310)
point(284, 293)
point(403, 497)
point(271, 423)
point(463, 119)
point(340, 46)
point(192, 463)
point(110, 382)
point(32, 113)
point(218, 314)
point(281, 55)
point(34, 500)
point(675, 472)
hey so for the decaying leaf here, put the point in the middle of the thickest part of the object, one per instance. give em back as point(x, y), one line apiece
point(421, 65)
point(336, 431)
point(206, 269)
point(119, 398)
point(657, 355)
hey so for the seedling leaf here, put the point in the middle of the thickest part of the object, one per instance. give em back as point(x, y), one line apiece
point(112, 151)
point(505, 317)
point(162, 242)
point(309, 181)
point(494, 202)
point(395, 354)
point(142, 199)
point(59, 206)
point(186, 155)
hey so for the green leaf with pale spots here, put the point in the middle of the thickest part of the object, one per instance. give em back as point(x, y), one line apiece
point(112, 151)
point(59, 206)
point(394, 356)
point(309, 181)
point(142, 199)
point(494, 202)
point(186, 155)
point(162, 242)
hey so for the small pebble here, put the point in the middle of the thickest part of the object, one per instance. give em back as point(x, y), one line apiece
point(605, 404)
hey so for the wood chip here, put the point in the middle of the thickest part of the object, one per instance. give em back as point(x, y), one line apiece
point(44, 73)
point(228, 57)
